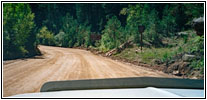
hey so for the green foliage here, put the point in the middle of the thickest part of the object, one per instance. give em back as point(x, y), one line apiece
point(111, 34)
point(129, 54)
point(193, 10)
point(59, 38)
point(167, 56)
point(160, 20)
point(197, 63)
point(163, 54)
point(49, 15)
point(197, 45)
point(140, 14)
point(17, 29)
point(134, 18)
point(45, 36)
point(168, 24)
point(147, 55)
point(152, 33)
point(75, 34)
point(83, 35)
point(86, 31)
point(70, 27)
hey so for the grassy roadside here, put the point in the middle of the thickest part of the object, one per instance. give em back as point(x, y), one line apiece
point(147, 55)
point(171, 57)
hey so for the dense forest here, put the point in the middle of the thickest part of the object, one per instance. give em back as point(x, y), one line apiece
point(99, 25)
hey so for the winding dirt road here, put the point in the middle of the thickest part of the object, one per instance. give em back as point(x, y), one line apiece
point(28, 75)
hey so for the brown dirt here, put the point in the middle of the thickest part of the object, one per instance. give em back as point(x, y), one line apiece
point(28, 75)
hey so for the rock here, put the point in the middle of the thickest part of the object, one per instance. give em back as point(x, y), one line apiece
point(156, 61)
point(179, 68)
point(175, 66)
point(182, 34)
point(184, 68)
point(198, 25)
point(187, 70)
point(187, 57)
point(137, 50)
point(194, 77)
point(175, 72)
point(171, 61)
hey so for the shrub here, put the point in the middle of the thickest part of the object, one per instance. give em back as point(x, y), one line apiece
point(45, 37)
point(59, 38)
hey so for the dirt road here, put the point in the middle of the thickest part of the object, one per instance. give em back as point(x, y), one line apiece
point(28, 75)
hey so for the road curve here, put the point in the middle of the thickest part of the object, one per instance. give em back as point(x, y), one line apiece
point(28, 75)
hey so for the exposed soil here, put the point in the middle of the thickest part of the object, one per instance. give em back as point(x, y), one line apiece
point(28, 75)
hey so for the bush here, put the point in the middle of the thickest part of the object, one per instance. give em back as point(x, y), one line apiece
point(59, 38)
point(45, 37)
point(18, 28)
point(197, 48)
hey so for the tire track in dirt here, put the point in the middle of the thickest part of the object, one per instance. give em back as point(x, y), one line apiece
point(28, 75)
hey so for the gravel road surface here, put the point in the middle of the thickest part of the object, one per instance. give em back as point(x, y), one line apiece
point(28, 75)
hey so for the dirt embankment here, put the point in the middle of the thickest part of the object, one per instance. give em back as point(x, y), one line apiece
point(28, 75)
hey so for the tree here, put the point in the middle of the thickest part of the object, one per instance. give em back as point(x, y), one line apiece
point(136, 15)
point(70, 27)
point(18, 26)
point(168, 24)
point(83, 35)
point(111, 34)
point(152, 32)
